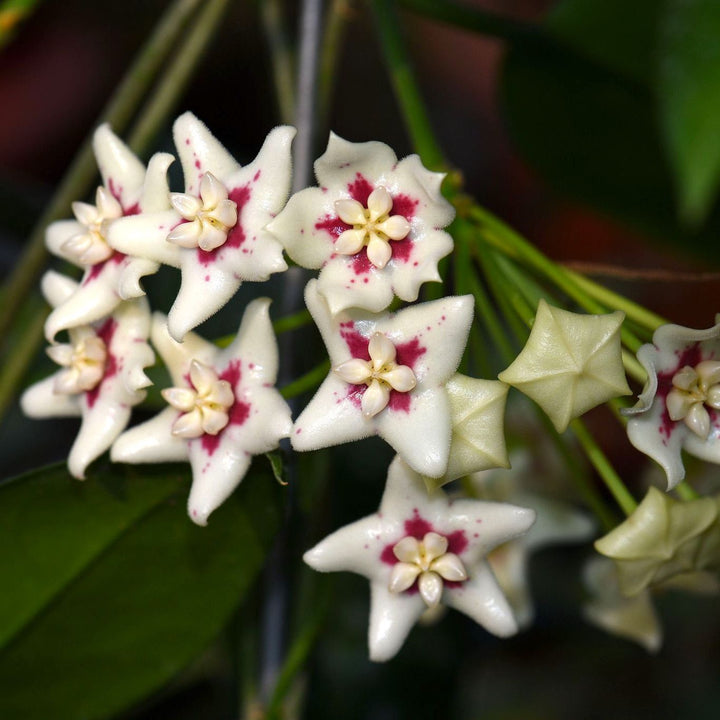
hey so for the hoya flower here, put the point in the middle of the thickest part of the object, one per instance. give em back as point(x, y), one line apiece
point(570, 363)
point(420, 550)
point(678, 408)
point(557, 523)
point(388, 375)
point(663, 538)
point(222, 409)
point(477, 411)
point(101, 375)
point(215, 231)
point(110, 276)
point(374, 225)
point(631, 617)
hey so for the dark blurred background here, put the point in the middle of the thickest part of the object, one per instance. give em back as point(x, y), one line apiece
point(549, 140)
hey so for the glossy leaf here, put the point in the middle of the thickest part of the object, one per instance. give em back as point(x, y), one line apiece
point(689, 93)
point(109, 590)
point(616, 34)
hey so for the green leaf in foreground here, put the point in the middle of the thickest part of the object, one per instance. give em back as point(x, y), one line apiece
point(109, 590)
point(689, 91)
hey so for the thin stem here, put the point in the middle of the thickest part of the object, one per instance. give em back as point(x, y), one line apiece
point(23, 348)
point(175, 79)
point(686, 492)
point(307, 87)
point(81, 172)
point(308, 381)
point(292, 322)
point(604, 468)
point(635, 312)
point(335, 25)
point(405, 84)
point(281, 57)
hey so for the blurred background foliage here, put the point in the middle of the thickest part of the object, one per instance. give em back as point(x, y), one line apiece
point(591, 126)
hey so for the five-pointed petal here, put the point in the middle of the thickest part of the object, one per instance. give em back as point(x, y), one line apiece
point(110, 276)
point(429, 339)
point(256, 420)
point(570, 363)
point(472, 529)
point(651, 428)
point(116, 380)
point(374, 226)
point(240, 247)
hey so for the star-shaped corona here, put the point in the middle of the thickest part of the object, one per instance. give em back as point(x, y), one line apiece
point(388, 377)
point(214, 231)
point(374, 226)
point(420, 550)
point(570, 363)
point(101, 377)
point(222, 409)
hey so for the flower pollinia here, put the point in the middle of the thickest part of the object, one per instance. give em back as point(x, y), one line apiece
point(420, 550)
point(214, 231)
point(110, 276)
point(223, 409)
point(679, 407)
point(374, 225)
point(388, 376)
point(101, 375)
point(570, 363)
point(664, 539)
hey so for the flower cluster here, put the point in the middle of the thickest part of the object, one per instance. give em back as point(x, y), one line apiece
point(374, 228)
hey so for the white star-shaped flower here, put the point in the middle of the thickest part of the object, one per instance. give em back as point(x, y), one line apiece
point(110, 276)
point(215, 232)
point(570, 363)
point(223, 409)
point(679, 408)
point(374, 226)
point(419, 550)
point(402, 362)
point(101, 377)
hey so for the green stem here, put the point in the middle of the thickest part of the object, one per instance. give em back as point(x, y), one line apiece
point(475, 20)
point(281, 57)
point(77, 179)
point(604, 468)
point(308, 381)
point(24, 348)
point(175, 79)
point(405, 84)
point(643, 317)
point(686, 492)
point(587, 490)
point(291, 322)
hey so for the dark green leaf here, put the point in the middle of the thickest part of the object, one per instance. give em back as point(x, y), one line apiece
point(589, 133)
point(689, 90)
point(109, 590)
point(617, 34)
